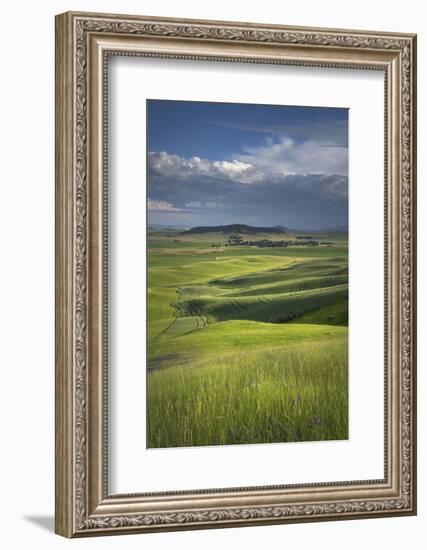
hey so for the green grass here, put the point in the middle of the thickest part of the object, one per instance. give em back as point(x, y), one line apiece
point(269, 308)
point(293, 285)
point(330, 314)
point(196, 347)
point(245, 345)
point(297, 393)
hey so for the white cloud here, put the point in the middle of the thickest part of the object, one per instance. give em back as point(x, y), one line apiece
point(193, 204)
point(162, 206)
point(289, 157)
point(271, 169)
point(166, 165)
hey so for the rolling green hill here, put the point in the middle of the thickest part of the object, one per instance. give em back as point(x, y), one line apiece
point(269, 308)
point(245, 344)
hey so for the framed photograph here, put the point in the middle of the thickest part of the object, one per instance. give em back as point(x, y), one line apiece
point(235, 274)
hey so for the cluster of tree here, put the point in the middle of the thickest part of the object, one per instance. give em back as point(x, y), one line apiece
point(300, 240)
point(237, 240)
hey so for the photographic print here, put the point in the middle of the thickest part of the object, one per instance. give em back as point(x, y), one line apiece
point(247, 261)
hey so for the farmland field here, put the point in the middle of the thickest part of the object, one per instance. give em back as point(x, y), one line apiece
point(245, 344)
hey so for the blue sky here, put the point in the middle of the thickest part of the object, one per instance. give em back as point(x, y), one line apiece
point(218, 163)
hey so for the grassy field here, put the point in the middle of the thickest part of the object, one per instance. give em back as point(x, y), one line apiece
point(245, 344)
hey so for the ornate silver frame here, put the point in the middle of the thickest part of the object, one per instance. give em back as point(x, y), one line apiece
point(83, 42)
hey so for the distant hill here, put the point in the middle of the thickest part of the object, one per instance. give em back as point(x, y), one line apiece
point(160, 227)
point(235, 228)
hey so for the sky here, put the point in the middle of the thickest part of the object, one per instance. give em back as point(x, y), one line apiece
point(261, 165)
